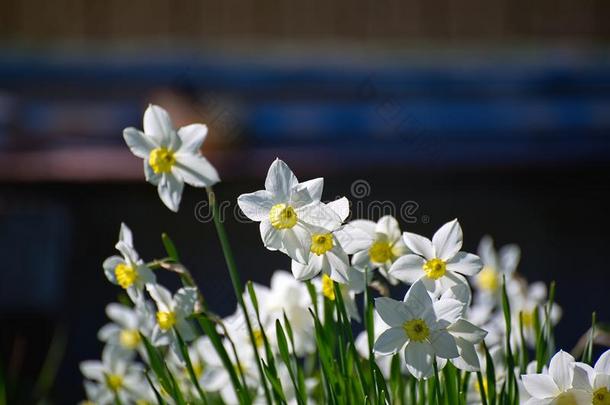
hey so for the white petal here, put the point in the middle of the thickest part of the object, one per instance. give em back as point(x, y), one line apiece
point(93, 370)
point(465, 330)
point(170, 191)
point(296, 242)
point(540, 385)
point(509, 258)
point(257, 205)
point(185, 300)
point(468, 359)
point(304, 271)
point(108, 332)
point(340, 207)
point(186, 330)
point(419, 358)
point(465, 263)
point(161, 296)
point(408, 268)
point(584, 377)
point(419, 245)
point(125, 234)
point(196, 170)
point(192, 137)
point(365, 225)
point(314, 188)
point(280, 180)
point(417, 298)
point(319, 215)
point(109, 267)
point(390, 341)
point(139, 144)
point(444, 344)
point(448, 309)
point(122, 315)
point(272, 238)
point(447, 241)
point(392, 312)
point(603, 363)
point(150, 175)
point(157, 121)
point(388, 225)
point(361, 259)
point(339, 264)
point(561, 368)
point(353, 239)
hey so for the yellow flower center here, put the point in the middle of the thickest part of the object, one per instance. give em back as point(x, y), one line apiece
point(161, 160)
point(567, 398)
point(601, 396)
point(129, 338)
point(380, 251)
point(321, 243)
point(166, 320)
point(125, 275)
point(282, 216)
point(416, 329)
point(114, 382)
point(527, 317)
point(198, 369)
point(488, 279)
point(328, 289)
point(258, 337)
point(435, 268)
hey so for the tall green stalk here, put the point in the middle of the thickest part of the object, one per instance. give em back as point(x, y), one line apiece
point(236, 281)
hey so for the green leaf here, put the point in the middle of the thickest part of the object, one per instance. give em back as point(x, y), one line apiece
point(189, 366)
point(170, 248)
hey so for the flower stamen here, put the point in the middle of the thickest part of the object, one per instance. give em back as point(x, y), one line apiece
point(435, 268)
point(161, 160)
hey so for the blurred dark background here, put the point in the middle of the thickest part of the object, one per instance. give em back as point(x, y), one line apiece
point(496, 112)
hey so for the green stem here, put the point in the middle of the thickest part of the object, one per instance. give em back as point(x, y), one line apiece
point(235, 280)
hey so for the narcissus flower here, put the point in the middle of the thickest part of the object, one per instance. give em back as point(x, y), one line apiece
point(325, 253)
point(127, 325)
point(289, 212)
point(116, 377)
point(171, 158)
point(438, 263)
point(374, 245)
point(496, 265)
point(128, 271)
point(426, 329)
point(594, 380)
point(172, 313)
point(556, 387)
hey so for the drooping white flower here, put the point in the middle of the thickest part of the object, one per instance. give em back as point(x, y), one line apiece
point(128, 271)
point(373, 245)
point(325, 253)
point(556, 386)
point(496, 265)
point(171, 158)
point(116, 376)
point(287, 211)
point(594, 380)
point(427, 329)
point(354, 284)
point(438, 263)
point(127, 325)
point(171, 314)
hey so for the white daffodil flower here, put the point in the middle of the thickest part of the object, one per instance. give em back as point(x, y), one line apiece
point(171, 158)
point(438, 263)
point(127, 325)
point(115, 377)
point(355, 284)
point(287, 211)
point(325, 253)
point(171, 314)
point(426, 329)
point(556, 386)
point(496, 265)
point(128, 271)
point(594, 380)
point(373, 245)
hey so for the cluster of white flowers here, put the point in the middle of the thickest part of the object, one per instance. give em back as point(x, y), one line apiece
point(439, 321)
